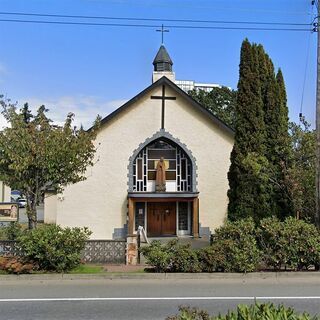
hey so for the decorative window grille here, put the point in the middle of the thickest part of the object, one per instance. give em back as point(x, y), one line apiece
point(179, 166)
point(183, 172)
point(140, 172)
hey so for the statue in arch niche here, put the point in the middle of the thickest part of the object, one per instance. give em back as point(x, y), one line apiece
point(161, 176)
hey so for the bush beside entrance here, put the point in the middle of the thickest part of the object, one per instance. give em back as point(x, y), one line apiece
point(173, 257)
point(234, 249)
point(243, 247)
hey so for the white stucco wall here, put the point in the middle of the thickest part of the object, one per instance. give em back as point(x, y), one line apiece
point(156, 75)
point(211, 146)
point(50, 208)
point(5, 193)
point(100, 202)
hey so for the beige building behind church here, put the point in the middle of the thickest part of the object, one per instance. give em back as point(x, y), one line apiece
point(5, 193)
point(120, 194)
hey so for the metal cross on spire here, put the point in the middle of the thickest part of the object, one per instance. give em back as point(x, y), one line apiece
point(162, 30)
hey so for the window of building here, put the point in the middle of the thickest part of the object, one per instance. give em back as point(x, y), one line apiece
point(140, 215)
point(178, 166)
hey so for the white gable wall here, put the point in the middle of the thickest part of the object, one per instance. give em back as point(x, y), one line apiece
point(211, 146)
point(100, 202)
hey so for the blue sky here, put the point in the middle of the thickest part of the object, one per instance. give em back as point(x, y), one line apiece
point(91, 69)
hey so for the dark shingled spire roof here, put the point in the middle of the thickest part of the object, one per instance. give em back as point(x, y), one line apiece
point(162, 61)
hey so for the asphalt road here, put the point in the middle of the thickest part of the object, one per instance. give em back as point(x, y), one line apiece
point(23, 217)
point(147, 299)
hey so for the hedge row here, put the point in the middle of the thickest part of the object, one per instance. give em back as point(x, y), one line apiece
point(243, 312)
point(243, 247)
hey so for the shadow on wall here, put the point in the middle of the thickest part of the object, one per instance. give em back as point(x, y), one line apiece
point(120, 233)
point(204, 232)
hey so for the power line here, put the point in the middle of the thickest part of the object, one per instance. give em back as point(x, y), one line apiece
point(305, 71)
point(153, 19)
point(184, 4)
point(151, 26)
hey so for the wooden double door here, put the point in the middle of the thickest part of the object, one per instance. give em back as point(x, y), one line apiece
point(161, 219)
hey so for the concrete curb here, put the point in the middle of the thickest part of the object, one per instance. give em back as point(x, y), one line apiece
point(170, 276)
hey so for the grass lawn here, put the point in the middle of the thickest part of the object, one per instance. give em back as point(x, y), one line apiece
point(92, 269)
point(81, 269)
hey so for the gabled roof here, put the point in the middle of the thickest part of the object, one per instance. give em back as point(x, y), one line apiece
point(164, 80)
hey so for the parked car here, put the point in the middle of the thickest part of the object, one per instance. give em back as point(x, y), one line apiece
point(15, 195)
point(22, 202)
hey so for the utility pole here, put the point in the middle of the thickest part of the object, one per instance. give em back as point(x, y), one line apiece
point(317, 217)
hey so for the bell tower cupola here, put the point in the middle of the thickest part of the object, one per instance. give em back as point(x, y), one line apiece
point(162, 65)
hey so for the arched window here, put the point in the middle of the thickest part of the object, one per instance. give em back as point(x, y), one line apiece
point(178, 167)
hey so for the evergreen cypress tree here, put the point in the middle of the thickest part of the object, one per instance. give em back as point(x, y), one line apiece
point(281, 150)
point(277, 152)
point(277, 139)
point(248, 194)
point(261, 152)
point(270, 106)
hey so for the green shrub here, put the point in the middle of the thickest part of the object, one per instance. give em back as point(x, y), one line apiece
point(11, 232)
point(293, 244)
point(234, 248)
point(3, 233)
point(53, 247)
point(213, 258)
point(242, 247)
point(244, 312)
point(157, 256)
point(182, 257)
point(188, 313)
point(171, 257)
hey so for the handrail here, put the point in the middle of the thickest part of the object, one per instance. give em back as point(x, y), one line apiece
point(143, 233)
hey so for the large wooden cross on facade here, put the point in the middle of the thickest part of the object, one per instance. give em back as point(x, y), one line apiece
point(163, 98)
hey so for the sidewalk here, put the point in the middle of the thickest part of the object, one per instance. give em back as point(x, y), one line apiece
point(136, 272)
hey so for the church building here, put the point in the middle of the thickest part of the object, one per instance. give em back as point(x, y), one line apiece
point(161, 163)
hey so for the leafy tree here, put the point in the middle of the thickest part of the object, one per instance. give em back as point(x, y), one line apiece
point(220, 101)
point(248, 193)
point(36, 155)
point(300, 176)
